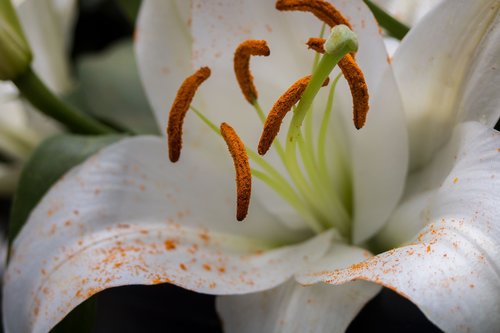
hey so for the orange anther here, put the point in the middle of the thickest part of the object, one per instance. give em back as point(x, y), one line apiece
point(242, 66)
point(323, 10)
point(242, 166)
point(279, 110)
point(356, 80)
point(179, 109)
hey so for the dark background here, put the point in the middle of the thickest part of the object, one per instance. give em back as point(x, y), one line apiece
point(167, 308)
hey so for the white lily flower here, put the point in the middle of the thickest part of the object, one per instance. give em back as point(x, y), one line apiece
point(129, 216)
point(47, 25)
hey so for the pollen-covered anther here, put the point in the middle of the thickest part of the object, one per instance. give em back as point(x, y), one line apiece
point(359, 89)
point(242, 65)
point(317, 44)
point(323, 10)
point(280, 108)
point(356, 80)
point(179, 108)
point(243, 172)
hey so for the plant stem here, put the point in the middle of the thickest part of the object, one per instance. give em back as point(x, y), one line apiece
point(38, 94)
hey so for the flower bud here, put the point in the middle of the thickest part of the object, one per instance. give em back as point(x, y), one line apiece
point(15, 53)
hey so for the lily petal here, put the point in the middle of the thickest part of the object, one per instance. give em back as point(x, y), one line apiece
point(44, 30)
point(295, 308)
point(291, 307)
point(433, 73)
point(377, 159)
point(163, 48)
point(451, 271)
point(127, 216)
point(408, 11)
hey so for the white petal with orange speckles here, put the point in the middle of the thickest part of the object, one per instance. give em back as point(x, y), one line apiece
point(128, 216)
point(441, 59)
point(452, 271)
point(295, 308)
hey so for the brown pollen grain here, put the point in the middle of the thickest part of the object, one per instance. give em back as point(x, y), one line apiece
point(242, 66)
point(179, 108)
point(243, 172)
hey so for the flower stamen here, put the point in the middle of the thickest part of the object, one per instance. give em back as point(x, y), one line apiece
point(179, 108)
point(280, 108)
point(355, 78)
point(323, 10)
point(243, 171)
point(242, 66)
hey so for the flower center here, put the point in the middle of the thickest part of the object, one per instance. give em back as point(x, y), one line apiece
point(320, 192)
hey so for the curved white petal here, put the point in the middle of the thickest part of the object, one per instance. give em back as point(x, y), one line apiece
point(410, 215)
point(291, 307)
point(163, 49)
point(379, 151)
point(408, 11)
point(295, 308)
point(44, 28)
point(451, 52)
point(128, 216)
point(379, 160)
point(452, 270)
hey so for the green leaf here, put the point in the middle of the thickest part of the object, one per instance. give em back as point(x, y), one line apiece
point(394, 27)
point(130, 8)
point(111, 90)
point(46, 165)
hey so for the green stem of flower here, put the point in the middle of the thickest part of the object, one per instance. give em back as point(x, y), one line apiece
point(37, 93)
point(324, 128)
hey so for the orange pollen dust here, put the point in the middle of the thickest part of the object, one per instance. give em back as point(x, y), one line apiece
point(179, 108)
point(356, 80)
point(279, 110)
point(243, 172)
point(242, 65)
point(323, 10)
